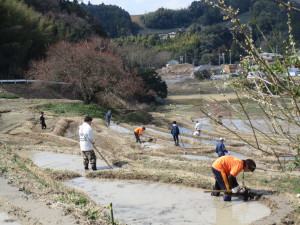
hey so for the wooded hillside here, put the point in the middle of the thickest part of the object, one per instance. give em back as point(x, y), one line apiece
point(28, 27)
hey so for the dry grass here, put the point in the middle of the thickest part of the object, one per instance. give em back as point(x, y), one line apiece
point(45, 185)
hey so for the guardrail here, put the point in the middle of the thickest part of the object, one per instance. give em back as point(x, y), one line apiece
point(29, 81)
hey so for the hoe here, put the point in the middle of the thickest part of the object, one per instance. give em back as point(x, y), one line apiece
point(247, 194)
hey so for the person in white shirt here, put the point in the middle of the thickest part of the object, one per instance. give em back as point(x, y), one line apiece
point(198, 129)
point(87, 140)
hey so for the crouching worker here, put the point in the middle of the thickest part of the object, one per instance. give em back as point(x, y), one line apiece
point(139, 132)
point(225, 170)
point(87, 140)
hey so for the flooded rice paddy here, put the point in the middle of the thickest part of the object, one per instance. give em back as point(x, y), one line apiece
point(153, 203)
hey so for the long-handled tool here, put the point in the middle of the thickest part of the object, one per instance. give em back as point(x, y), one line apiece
point(181, 141)
point(102, 156)
point(217, 191)
point(246, 195)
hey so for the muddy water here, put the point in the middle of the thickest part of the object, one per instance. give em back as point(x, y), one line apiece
point(61, 161)
point(6, 220)
point(198, 157)
point(120, 129)
point(139, 203)
point(240, 156)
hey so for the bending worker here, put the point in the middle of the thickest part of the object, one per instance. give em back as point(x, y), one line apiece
point(87, 140)
point(225, 170)
point(139, 132)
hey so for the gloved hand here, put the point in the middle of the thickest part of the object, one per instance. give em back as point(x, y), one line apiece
point(242, 190)
point(236, 189)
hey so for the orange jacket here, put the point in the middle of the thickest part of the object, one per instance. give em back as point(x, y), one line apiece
point(229, 164)
point(139, 131)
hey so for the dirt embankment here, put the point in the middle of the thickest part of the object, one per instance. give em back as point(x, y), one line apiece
point(26, 134)
point(179, 69)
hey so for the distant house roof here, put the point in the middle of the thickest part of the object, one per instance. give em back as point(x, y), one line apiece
point(173, 62)
point(206, 67)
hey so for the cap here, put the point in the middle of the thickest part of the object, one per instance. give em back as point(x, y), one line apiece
point(222, 139)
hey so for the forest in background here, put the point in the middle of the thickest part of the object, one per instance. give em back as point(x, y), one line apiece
point(29, 27)
point(201, 38)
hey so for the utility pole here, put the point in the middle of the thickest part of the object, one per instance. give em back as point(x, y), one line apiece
point(223, 56)
point(229, 57)
point(181, 59)
point(219, 59)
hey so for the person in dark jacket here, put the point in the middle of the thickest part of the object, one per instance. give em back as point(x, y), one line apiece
point(175, 132)
point(42, 120)
point(220, 148)
point(107, 117)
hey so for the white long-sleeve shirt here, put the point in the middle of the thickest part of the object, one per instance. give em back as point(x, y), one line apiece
point(86, 137)
point(198, 126)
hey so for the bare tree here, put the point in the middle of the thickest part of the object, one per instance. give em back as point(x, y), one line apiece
point(272, 90)
point(93, 66)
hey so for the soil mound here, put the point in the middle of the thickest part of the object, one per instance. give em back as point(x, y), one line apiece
point(179, 69)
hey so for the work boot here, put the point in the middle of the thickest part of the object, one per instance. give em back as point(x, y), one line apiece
point(94, 167)
point(86, 167)
point(226, 198)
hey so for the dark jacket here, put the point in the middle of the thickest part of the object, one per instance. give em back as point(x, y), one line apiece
point(108, 115)
point(175, 130)
point(221, 149)
point(42, 119)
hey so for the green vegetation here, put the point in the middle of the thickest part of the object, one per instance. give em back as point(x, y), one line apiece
point(152, 81)
point(199, 12)
point(197, 47)
point(141, 117)
point(8, 96)
point(76, 109)
point(116, 21)
point(93, 110)
point(25, 32)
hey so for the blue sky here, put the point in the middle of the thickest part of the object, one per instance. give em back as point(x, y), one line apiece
point(135, 7)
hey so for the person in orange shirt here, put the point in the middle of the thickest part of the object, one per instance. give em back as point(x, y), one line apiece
point(225, 170)
point(138, 132)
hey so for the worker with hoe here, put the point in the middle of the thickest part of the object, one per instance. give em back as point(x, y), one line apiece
point(175, 132)
point(225, 170)
point(87, 141)
point(220, 147)
point(139, 132)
